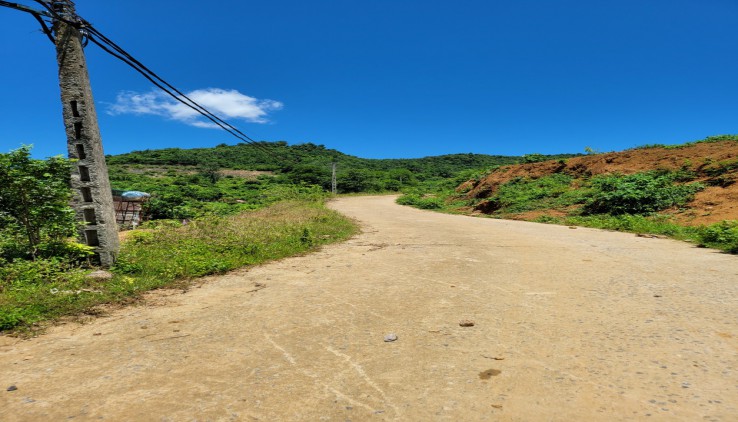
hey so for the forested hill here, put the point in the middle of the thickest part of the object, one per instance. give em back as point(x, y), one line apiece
point(284, 158)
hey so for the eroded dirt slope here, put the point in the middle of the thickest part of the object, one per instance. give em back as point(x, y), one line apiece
point(719, 201)
point(569, 325)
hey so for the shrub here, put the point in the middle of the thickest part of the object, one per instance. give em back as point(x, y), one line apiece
point(723, 235)
point(422, 202)
point(34, 201)
point(534, 158)
point(524, 194)
point(640, 193)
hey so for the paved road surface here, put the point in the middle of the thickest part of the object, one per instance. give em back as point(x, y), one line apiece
point(569, 325)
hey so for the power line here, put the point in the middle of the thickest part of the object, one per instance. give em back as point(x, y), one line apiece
point(110, 47)
point(23, 8)
point(151, 79)
point(131, 61)
point(118, 52)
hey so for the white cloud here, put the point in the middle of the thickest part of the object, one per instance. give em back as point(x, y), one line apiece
point(226, 104)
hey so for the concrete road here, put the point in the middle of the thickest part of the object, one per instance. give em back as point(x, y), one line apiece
point(569, 324)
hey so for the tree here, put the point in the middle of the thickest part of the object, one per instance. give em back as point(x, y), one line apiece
point(356, 180)
point(210, 171)
point(34, 199)
point(311, 175)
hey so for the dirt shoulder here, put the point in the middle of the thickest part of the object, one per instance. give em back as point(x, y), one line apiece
point(568, 325)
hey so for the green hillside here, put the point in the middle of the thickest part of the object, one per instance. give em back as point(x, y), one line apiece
point(311, 164)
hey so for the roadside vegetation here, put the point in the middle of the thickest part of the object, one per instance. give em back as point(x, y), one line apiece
point(302, 164)
point(216, 209)
point(44, 271)
point(615, 202)
point(642, 203)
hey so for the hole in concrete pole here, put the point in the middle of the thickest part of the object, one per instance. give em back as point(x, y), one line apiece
point(90, 216)
point(81, 151)
point(91, 237)
point(84, 173)
point(77, 130)
point(75, 111)
point(86, 194)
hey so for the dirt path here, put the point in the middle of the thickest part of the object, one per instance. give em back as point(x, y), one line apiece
point(569, 325)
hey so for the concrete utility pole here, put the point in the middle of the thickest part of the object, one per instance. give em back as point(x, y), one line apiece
point(93, 199)
point(333, 178)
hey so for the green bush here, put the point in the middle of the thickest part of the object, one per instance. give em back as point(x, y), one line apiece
point(534, 158)
point(723, 235)
point(641, 193)
point(525, 194)
point(34, 204)
point(422, 202)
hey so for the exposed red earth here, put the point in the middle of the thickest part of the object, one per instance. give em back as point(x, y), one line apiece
point(717, 202)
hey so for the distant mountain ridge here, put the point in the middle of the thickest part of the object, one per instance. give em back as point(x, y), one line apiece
point(281, 157)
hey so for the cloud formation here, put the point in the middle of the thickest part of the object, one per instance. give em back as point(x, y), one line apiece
point(226, 104)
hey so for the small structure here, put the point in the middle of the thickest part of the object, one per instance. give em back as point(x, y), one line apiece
point(129, 208)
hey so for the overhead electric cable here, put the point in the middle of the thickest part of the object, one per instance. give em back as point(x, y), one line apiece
point(144, 70)
point(23, 8)
point(98, 38)
point(163, 88)
point(35, 13)
point(178, 95)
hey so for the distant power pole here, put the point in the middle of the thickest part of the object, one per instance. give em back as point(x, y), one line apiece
point(333, 178)
point(93, 200)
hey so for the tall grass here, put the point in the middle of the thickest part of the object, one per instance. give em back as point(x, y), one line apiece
point(216, 245)
point(33, 291)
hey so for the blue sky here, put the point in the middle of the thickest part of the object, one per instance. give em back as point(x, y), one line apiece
point(391, 78)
